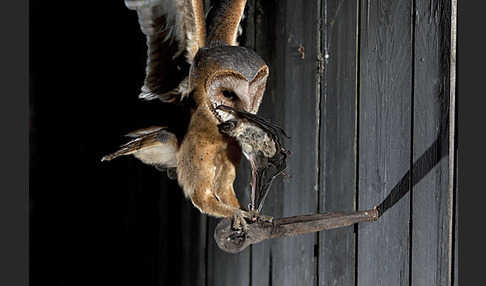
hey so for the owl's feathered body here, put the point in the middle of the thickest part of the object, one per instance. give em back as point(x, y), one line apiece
point(207, 160)
point(215, 71)
point(207, 165)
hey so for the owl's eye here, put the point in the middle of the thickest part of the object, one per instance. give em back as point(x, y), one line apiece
point(229, 94)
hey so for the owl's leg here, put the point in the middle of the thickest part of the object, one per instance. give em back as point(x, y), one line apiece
point(228, 197)
point(210, 204)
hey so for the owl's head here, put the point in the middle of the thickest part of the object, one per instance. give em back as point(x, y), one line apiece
point(228, 75)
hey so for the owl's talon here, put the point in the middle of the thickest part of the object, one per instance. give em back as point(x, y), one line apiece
point(257, 216)
point(242, 218)
point(239, 222)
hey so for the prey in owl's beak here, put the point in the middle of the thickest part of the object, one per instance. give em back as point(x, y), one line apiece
point(227, 127)
point(260, 141)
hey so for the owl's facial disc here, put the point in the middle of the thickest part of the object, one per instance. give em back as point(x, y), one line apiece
point(231, 91)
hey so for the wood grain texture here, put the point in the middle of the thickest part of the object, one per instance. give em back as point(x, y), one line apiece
point(295, 74)
point(338, 131)
point(453, 145)
point(384, 139)
point(431, 202)
point(455, 272)
point(385, 142)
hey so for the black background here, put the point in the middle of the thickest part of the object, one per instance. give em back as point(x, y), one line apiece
point(94, 223)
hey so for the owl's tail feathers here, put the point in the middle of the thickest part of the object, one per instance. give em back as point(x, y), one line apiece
point(154, 146)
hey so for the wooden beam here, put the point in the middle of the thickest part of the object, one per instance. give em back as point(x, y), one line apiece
point(233, 241)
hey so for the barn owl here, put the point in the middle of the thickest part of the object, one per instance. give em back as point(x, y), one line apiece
point(188, 63)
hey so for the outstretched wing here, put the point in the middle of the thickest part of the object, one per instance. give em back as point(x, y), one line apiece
point(154, 146)
point(175, 30)
point(223, 22)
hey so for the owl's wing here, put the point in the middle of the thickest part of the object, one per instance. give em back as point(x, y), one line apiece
point(175, 30)
point(154, 146)
point(223, 22)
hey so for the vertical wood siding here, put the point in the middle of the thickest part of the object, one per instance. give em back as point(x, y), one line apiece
point(385, 97)
point(363, 88)
point(431, 203)
point(338, 137)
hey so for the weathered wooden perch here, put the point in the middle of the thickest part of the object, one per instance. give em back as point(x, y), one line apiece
point(233, 241)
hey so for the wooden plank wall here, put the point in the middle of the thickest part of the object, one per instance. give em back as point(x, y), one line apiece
point(384, 151)
point(338, 138)
point(431, 203)
point(362, 87)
